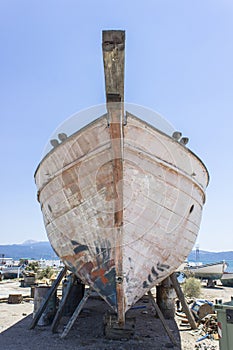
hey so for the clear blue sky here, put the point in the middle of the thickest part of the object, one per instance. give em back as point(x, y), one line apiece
point(179, 62)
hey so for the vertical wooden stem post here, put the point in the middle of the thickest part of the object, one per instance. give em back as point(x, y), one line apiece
point(114, 61)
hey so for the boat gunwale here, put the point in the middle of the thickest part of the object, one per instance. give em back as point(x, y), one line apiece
point(149, 157)
point(104, 116)
point(173, 140)
point(204, 265)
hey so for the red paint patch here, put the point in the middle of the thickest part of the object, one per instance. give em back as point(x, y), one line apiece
point(100, 273)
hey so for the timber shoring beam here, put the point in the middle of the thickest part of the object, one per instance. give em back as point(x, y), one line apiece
point(182, 299)
point(162, 319)
point(49, 295)
point(165, 298)
point(76, 313)
point(61, 306)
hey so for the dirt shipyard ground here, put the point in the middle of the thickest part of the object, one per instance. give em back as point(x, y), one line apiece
point(87, 332)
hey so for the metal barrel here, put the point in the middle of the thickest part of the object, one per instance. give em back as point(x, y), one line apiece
point(50, 311)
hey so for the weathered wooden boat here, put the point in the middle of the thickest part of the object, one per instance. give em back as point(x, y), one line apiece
point(211, 271)
point(8, 269)
point(227, 279)
point(121, 200)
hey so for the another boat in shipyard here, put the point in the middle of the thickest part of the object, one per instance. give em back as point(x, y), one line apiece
point(211, 271)
point(8, 268)
point(227, 279)
point(121, 200)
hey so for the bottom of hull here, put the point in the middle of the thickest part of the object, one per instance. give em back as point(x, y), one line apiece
point(206, 276)
point(227, 280)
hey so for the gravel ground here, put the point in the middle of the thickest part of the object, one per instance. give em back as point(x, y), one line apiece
point(87, 332)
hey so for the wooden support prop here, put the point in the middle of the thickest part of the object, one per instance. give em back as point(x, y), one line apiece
point(76, 313)
point(61, 306)
point(50, 293)
point(184, 304)
point(162, 319)
point(165, 298)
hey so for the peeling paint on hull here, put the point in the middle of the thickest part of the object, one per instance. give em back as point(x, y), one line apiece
point(162, 195)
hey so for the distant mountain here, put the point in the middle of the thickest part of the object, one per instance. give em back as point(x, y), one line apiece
point(29, 241)
point(205, 256)
point(29, 250)
point(37, 250)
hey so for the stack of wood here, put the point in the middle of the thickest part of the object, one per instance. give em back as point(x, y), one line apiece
point(201, 308)
point(29, 278)
point(210, 325)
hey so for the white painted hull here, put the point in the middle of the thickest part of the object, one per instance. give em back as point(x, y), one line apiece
point(162, 192)
point(227, 279)
point(212, 271)
point(10, 271)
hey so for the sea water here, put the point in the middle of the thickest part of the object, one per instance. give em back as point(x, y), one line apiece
point(229, 265)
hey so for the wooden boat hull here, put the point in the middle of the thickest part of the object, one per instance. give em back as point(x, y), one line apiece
point(121, 201)
point(227, 279)
point(8, 272)
point(160, 197)
point(211, 271)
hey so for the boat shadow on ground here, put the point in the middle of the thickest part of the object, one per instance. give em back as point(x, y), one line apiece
point(87, 332)
point(213, 287)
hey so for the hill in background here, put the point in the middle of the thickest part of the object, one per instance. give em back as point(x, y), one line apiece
point(43, 250)
point(205, 256)
point(29, 250)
